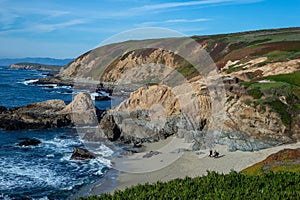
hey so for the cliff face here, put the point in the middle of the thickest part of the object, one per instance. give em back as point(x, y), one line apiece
point(156, 112)
point(260, 73)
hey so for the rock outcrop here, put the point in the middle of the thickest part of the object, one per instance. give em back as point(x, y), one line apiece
point(39, 115)
point(156, 112)
point(35, 66)
point(82, 110)
point(51, 114)
point(29, 142)
point(82, 154)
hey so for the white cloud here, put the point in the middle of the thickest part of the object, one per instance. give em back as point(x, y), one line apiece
point(52, 27)
point(43, 27)
point(172, 21)
point(162, 6)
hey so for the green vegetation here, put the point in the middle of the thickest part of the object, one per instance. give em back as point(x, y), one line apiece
point(293, 78)
point(281, 109)
point(187, 71)
point(282, 185)
point(255, 93)
point(234, 68)
point(286, 160)
point(282, 94)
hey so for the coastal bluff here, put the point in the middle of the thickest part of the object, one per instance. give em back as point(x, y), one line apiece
point(259, 77)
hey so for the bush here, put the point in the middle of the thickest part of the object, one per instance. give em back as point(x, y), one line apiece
point(281, 185)
point(255, 93)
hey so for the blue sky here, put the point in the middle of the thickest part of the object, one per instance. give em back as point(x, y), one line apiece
point(68, 28)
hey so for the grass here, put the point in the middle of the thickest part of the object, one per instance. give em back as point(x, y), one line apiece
point(293, 78)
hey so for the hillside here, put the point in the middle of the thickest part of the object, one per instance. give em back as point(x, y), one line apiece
point(255, 74)
point(276, 45)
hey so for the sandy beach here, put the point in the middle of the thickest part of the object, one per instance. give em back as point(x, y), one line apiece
point(170, 163)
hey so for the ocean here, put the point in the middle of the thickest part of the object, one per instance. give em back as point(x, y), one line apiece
point(44, 171)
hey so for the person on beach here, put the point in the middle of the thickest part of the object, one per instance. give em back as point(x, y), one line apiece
point(210, 153)
point(216, 154)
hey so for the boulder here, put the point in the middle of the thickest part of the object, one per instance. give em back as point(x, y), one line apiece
point(29, 142)
point(82, 110)
point(109, 127)
point(82, 154)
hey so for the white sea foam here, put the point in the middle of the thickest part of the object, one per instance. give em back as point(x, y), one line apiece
point(28, 82)
point(20, 174)
point(104, 150)
point(48, 85)
point(5, 197)
point(94, 95)
point(65, 87)
point(42, 198)
point(103, 93)
point(60, 143)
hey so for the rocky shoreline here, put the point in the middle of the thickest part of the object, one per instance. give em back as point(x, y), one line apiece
point(47, 114)
point(134, 124)
point(247, 101)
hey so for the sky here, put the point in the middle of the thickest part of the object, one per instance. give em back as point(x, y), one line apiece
point(68, 28)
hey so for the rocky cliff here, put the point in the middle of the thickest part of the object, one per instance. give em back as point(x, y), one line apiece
point(260, 106)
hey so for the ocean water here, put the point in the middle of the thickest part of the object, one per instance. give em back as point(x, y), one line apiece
point(44, 171)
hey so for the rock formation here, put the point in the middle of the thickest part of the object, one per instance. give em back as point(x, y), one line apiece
point(51, 114)
point(35, 116)
point(29, 142)
point(82, 154)
point(35, 66)
point(168, 95)
point(82, 110)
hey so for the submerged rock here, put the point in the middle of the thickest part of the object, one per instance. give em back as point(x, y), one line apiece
point(29, 142)
point(82, 154)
